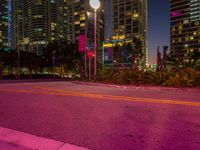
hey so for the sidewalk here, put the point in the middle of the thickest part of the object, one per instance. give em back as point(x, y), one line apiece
point(15, 140)
point(11, 146)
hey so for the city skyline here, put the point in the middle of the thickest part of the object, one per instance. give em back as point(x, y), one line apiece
point(158, 26)
point(158, 30)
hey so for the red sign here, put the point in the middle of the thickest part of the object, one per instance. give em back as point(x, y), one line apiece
point(81, 43)
point(90, 54)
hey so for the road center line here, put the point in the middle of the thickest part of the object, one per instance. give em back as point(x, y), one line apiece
point(125, 98)
point(52, 91)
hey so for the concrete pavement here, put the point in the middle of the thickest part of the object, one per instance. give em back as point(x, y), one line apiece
point(15, 140)
point(103, 118)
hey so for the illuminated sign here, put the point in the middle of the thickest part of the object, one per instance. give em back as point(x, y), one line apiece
point(175, 13)
point(107, 45)
point(195, 23)
point(117, 37)
point(81, 42)
point(7, 49)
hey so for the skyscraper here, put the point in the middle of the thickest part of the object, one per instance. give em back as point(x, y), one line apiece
point(195, 10)
point(184, 28)
point(130, 20)
point(5, 21)
point(36, 23)
point(83, 19)
point(83, 23)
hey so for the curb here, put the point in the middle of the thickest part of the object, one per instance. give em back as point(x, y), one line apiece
point(33, 142)
point(136, 87)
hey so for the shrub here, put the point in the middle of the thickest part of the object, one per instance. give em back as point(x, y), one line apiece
point(172, 77)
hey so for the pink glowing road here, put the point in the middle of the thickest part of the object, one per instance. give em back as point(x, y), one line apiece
point(103, 117)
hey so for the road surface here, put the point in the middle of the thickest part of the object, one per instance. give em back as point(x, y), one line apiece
point(102, 117)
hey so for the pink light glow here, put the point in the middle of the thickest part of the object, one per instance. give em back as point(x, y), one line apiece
point(175, 14)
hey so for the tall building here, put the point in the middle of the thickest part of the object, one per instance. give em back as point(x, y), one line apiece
point(36, 22)
point(82, 22)
point(83, 19)
point(195, 10)
point(184, 28)
point(5, 22)
point(129, 19)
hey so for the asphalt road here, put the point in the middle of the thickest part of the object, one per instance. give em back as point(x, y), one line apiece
point(100, 117)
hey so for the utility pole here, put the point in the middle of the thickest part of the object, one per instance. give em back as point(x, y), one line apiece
point(54, 63)
point(18, 62)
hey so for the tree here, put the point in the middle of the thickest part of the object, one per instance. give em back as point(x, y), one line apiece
point(137, 52)
point(29, 60)
point(65, 53)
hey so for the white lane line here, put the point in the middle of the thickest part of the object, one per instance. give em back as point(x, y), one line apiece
point(34, 142)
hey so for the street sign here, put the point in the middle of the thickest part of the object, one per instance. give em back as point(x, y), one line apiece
point(90, 54)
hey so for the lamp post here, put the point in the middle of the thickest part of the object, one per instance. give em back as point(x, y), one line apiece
point(54, 63)
point(95, 4)
point(185, 52)
point(18, 62)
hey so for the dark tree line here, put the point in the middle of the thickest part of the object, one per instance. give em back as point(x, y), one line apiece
point(64, 53)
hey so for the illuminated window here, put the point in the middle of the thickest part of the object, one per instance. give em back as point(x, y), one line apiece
point(77, 22)
point(82, 18)
point(82, 24)
point(180, 27)
point(38, 16)
point(186, 21)
point(76, 13)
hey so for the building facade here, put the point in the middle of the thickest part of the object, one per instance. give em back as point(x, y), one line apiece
point(184, 28)
point(129, 19)
point(82, 22)
point(38, 22)
point(83, 19)
point(5, 23)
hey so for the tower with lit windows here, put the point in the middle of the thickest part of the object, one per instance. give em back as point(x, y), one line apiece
point(5, 23)
point(129, 19)
point(184, 29)
point(82, 22)
point(38, 22)
point(83, 19)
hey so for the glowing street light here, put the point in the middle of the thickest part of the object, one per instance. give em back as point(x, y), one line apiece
point(95, 4)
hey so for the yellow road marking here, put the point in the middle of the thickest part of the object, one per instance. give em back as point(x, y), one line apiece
point(52, 91)
point(104, 96)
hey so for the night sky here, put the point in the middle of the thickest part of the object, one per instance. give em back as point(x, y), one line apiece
point(158, 25)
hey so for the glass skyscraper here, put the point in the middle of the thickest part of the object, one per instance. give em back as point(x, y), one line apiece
point(38, 22)
point(5, 23)
point(129, 19)
point(82, 22)
point(184, 28)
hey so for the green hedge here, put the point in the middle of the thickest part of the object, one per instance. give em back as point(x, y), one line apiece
point(173, 77)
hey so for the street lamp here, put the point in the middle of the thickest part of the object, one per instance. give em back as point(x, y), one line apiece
point(95, 4)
